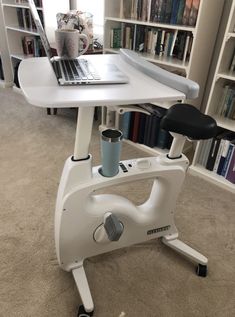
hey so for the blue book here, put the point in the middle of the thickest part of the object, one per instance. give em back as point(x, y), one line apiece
point(174, 11)
point(126, 124)
point(227, 160)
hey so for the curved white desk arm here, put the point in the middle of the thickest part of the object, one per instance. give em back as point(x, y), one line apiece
point(186, 86)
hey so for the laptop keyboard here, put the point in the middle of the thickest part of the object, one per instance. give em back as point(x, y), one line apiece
point(76, 70)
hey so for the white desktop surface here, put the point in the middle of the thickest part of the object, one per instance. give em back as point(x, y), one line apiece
point(40, 87)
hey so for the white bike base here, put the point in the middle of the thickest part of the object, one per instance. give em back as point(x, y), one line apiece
point(175, 244)
point(185, 250)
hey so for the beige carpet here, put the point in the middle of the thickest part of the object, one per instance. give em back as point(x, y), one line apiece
point(147, 280)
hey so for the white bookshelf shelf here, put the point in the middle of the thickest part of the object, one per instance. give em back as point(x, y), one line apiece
point(166, 61)
point(198, 170)
point(152, 24)
point(23, 30)
point(225, 123)
point(227, 75)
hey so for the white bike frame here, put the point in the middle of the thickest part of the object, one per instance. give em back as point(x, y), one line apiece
point(80, 213)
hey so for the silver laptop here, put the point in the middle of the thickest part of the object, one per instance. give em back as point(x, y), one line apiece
point(80, 70)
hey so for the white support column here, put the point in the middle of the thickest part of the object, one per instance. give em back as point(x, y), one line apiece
point(177, 145)
point(185, 250)
point(83, 132)
point(83, 288)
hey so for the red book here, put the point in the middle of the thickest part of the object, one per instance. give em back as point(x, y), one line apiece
point(135, 129)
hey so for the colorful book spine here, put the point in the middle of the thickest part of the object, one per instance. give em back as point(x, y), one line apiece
point(194, 12)
point(186, 14)
point(230, 175)
point(227, 160)
point(180, 12)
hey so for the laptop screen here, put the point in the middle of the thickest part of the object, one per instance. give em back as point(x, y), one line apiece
point(40, 29)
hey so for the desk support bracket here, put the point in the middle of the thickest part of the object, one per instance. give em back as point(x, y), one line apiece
point(83, 132)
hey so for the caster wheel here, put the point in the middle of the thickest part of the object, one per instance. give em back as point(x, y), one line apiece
point(201, 270)
point(83, 313)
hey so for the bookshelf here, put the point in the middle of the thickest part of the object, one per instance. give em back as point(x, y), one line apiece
point(6, 79)
point(192, 60)
point(223, 76)
point(23, 40)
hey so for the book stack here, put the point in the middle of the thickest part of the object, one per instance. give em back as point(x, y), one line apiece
point(25, 19)
point(218, 155)
point(227, 102)
point(180, 12)
point(136, 9)
point(155, 41)
point(32, 46)
point(145, 129)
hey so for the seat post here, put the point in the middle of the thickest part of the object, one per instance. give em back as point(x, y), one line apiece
point(176, 146)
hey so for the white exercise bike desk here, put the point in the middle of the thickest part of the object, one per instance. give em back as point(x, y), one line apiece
point(79, 179)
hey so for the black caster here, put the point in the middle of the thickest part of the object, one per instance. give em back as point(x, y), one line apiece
point(201, 270)
point(83, 313)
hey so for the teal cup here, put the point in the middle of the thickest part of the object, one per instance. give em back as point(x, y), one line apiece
point(110, 152)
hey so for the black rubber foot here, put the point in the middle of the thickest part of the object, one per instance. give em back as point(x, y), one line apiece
point(83, 313)
point(201, 270)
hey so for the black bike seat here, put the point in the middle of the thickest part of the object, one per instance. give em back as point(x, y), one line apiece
point(187, 120)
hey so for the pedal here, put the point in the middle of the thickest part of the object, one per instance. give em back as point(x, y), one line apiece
point(113, 227)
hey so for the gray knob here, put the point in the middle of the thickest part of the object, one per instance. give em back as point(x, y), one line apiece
point(113, 228)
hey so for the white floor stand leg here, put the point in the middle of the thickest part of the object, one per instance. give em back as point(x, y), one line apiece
point(83, 288)
point(186, 250)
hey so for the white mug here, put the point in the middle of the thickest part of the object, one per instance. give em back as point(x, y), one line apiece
point(68, 43)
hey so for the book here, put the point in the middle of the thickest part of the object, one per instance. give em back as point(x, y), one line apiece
point(173, 42)
point(218, 156)
point(186, 48)
point(135, 127)
point(115, 38)
point(227, 160)
point(162, 47)
point(168, 8)
point(154, 41)
point(222, 100)
point(213, 153)
point(154, 10)
point(163, 139)
point(20, 17)
point(127, 9)
point(126, 124)
point(206, 152)
point(194, 12)
point(159, 15)
point(223, 156)
point(144, 15)
point(158, 44)
point(134, 9)
point(147, 130)
point(180, 12)
point(141, 129)
point(186, 13)
point(152, 127)
point(174, 11)
point(230, 175)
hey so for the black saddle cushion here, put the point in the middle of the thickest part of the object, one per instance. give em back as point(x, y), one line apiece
point(187, 120)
